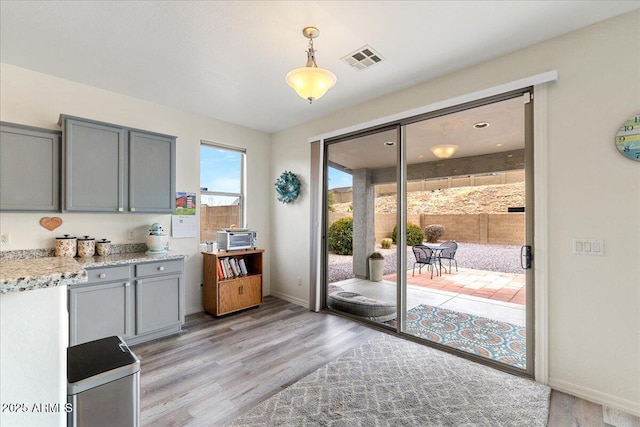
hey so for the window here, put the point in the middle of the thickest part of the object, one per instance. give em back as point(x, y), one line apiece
point(221, 189)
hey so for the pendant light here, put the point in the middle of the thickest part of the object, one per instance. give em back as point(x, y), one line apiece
point(444, 151)
point(310, 81)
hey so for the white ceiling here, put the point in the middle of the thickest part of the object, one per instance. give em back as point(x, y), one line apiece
point(504, 133)
point(228, 59)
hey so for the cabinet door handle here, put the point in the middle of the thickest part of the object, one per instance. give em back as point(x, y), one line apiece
point(240, 290)
point(120, 209)
point(127, 284)
point(161, 268)
point(132, 209)
point(102, 275)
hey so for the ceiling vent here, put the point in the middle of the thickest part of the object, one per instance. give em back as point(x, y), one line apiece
point(362, 58)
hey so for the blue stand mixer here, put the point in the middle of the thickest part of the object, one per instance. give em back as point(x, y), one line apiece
point(156, 241)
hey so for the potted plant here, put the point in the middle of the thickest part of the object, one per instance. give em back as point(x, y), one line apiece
point(376, 266)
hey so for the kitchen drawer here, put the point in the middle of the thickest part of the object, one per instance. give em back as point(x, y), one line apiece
point(108, 274)
point(155, 268)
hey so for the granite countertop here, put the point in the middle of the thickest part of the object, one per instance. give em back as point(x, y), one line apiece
point(126, 258)
point(25, 274)
point(28, 274)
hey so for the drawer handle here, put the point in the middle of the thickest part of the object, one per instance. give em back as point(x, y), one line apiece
point(102, 275)
point(161, 268)
point(241, 290)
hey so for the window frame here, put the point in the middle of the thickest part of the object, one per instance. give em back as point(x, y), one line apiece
point(241, 196)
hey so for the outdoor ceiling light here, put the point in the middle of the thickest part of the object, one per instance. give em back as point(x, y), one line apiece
point(444, 151)
point(310, 81)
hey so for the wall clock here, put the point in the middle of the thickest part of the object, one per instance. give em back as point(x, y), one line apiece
point(628, 138)
point(287, 187)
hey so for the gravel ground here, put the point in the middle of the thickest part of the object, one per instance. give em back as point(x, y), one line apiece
point(502, 258)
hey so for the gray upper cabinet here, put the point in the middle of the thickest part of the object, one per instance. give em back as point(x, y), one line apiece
point(94, 167)
point(151, 173)
point(111, 168)
point(29, 168)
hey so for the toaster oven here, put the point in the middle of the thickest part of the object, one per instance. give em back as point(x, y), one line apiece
point(236, 239)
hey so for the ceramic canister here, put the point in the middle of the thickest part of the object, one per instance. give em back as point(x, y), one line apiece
point(86, 247)
point(103, 247)
point(65, 246)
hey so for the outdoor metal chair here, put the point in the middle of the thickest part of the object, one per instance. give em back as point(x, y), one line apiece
point(449, 252)
point(424, 256)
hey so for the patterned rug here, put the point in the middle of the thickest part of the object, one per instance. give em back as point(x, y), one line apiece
point(390, 381)
point(488, 338)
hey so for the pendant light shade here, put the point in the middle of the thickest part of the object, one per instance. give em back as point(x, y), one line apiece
point(444, 151)
point(310, 81)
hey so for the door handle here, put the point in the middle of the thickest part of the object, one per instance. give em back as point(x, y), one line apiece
point(525, 257)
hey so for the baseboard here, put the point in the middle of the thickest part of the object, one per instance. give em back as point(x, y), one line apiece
point(289, 298)
point(596, 396)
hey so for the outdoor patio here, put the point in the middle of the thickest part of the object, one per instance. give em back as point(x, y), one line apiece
point(506, 287)
point(489, 282)
point(460, 291)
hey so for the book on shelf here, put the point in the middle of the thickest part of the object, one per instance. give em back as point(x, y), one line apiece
point(243, 267)
point(220, 270)
point(229, 270)
point(234, 266)
point(231, 267)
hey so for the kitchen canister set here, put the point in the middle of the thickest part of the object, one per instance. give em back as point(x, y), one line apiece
point(84, 247)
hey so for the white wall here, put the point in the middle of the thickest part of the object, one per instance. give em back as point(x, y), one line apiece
point(36, 99)
point(33, 362)
point(594, 193)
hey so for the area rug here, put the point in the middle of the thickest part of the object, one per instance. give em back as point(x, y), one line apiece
point(485, 337)
point(390, 381)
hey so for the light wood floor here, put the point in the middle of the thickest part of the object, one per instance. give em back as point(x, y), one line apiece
point(219, 368)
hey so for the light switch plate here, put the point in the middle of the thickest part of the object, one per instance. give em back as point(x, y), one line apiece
point(587, 247)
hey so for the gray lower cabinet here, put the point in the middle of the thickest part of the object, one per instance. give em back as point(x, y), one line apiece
point(100, 311)
point(159, 296)
point(112, 168)
point(156, 306)
point(102, 307)
point(29, 169)
point(137, 302)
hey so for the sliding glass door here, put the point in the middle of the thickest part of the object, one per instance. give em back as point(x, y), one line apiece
point(445, 199)
point(361, 211)
point(467, 191)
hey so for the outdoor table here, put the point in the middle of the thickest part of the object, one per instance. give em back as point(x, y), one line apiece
point(437, 249)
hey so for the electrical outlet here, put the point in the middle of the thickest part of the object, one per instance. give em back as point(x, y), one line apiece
point(131, 234)
point(5, 239)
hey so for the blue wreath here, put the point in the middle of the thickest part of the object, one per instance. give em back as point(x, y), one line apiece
point(287, 187)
